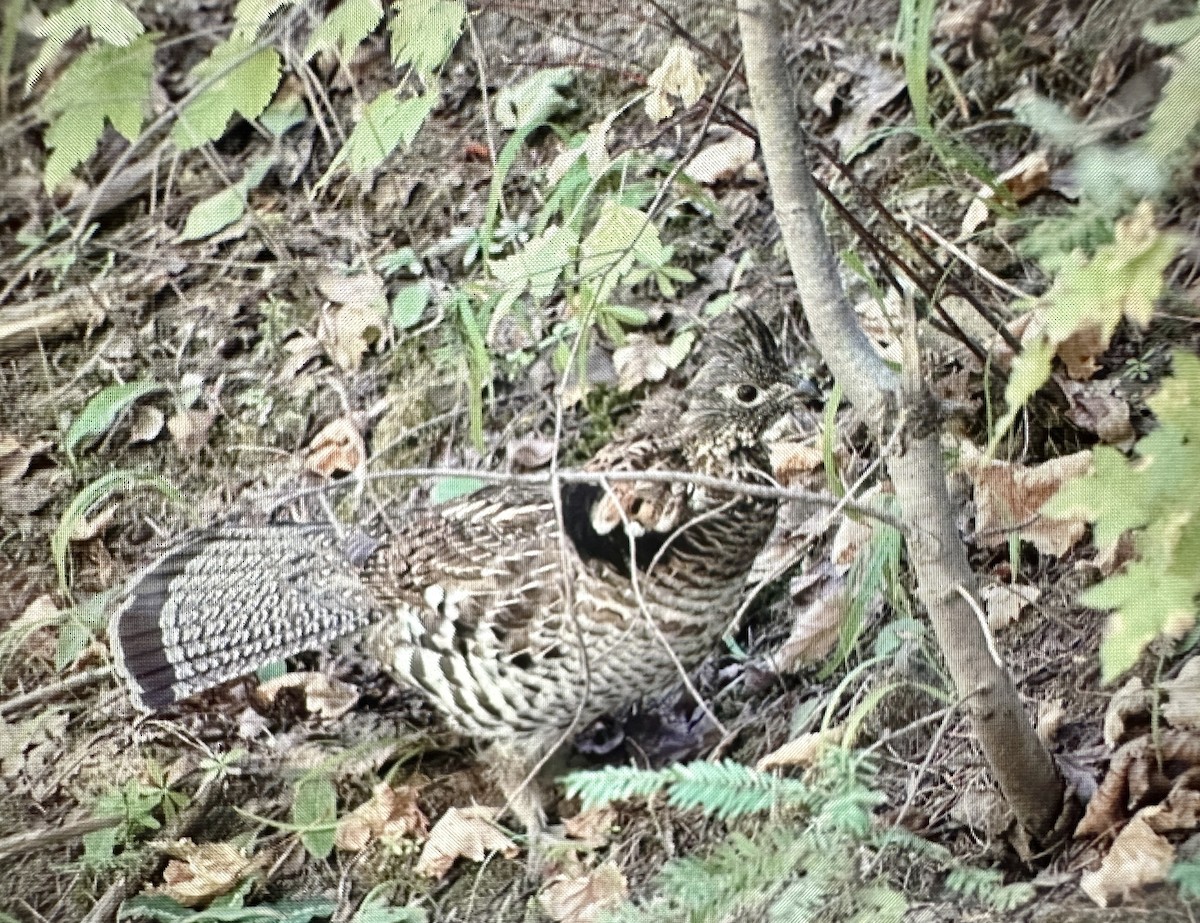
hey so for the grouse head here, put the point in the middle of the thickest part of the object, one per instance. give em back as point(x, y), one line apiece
point(742, 389)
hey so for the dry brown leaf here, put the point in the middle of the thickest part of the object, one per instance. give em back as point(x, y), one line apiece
point(1180, 811)
point(32, 746)
point(391, 814)
point(301, 350)
point(1128, 713)
point(324, 697)
point(722, 161)
point(592, 826)
point(815, 627)
point(1004, 603)
point(1139, 770)
point(802, 751)
point(189, 429)
point(532, 450)
point(642, 359)
point(146, 423)
point(16, 458)
point(850, 539)
point(790, 461)
point(338, 448)
point(1111, 559)
point(875, 85)
point(1081, 350)
point(1051, 716)
point(1024, 179)
point(1182, 709)
point(970, 22)
point(1096, 408)
point(882, 323)
point(467, 833)
point(1139, 857)
point(677, 76)
point(1008, 497)
point(585, 898)
point(360, 320)
point(87, 529)
point(197, 874)
point(827, 92)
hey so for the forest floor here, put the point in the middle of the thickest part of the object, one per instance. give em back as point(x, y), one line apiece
point(253, 392)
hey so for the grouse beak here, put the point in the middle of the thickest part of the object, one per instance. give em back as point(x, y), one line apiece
point(804, 389)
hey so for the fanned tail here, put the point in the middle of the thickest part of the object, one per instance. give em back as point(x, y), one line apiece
point(229, 601)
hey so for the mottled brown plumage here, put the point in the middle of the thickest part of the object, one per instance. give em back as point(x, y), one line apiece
point(513, 629)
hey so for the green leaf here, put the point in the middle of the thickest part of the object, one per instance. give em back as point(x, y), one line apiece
point(97, 491)
point(446, 489)
point(1173, 121)
point(535, 100)
point(424, 32)
point(235, 79)
point(374, 909)
point(79, 627)
point(104, 82)
point(345, 27)
point(217, 212)
point(102, 411)
point(109, 21)
point(409, 304)
point(620, 238)
point(386, 123)
point(538, 265)
point(1123, 280)
point(166, 910)
point(314, 811)
point(252, 15)
point(1152, 495)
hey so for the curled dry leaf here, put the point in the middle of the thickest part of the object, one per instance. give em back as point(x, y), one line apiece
point(467, 833)
point(848, 542)
point(391, 814)
point(1009, 496)
point(338, 448)
point(678, 76)
point(1097, 408)
point(1023, 180)
point(189, 429)
point(643, 359)
point(815, 625)
point(87, 529)
point(1004, 603)
point(803, 751)
point(324, 697)
point(360, 320)
point(1128, 713)
point(882, 322)
point(197, 874)
point(585, 898)
point(1141, 771)
point(16, 458)
point(1139, 857)
point(721, 162)
point(592, 826)
point(532, 450)
point(145, 424)
point(1182, 708)
point(792, 460)
point(1051, 716)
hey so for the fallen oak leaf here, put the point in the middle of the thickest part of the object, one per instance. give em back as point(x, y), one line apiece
point(585, 898)
point(466, 833)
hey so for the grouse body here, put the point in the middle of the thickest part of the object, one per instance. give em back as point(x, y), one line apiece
point(515, 628)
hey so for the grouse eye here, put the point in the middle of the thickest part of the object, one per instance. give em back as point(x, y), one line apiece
point(747, 394)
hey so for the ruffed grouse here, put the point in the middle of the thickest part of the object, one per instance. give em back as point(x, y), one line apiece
point(513, 630)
